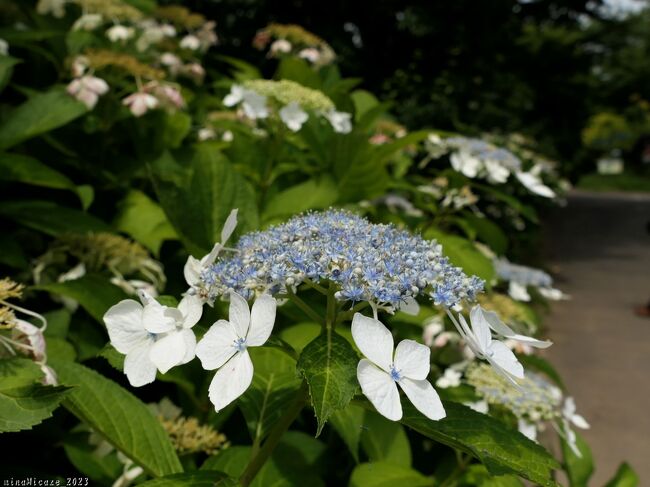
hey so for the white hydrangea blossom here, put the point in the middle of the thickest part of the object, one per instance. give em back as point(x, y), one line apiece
point(120, 33)
point(153, 336)
point(140, 103)
point(293, 116)
point(382, 370)
point(224, 347)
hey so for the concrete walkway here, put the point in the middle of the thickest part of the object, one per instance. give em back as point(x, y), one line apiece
point(599, 250)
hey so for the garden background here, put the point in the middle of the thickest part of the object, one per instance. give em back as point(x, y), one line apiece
point(135, 134)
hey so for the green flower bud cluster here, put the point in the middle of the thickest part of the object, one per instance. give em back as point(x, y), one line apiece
point(286, 91)
point(537, 399)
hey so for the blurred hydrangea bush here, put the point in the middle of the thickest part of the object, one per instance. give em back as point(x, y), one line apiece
point(207, 271)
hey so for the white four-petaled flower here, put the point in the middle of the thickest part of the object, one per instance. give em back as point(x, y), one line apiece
point(293, 116)
point(153, 336)
point(341, 121)
point(381, 372)
point(224, 347)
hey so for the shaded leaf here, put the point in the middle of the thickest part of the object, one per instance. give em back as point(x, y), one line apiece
point(197, 190)
point(312, 194)
point(193, 479)
point(384, 440)
point(40, 113)
point(274, 386)
point(501, 449)
point(93, 292)
point(348, 423)
point(50, 218)
point(625, 477)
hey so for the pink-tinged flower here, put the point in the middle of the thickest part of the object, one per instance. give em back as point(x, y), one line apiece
point(379, 139)
point(207, 35)
point(194, 71)
point(169, 95)
point(34, 337)
point(79, 66)
point(87, 89)
point(140, 103)
point(310, 54)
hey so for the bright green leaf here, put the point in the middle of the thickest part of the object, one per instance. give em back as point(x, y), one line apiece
point(7, 64)
point(464, 254)
point(381, 474)
point(625, 477)
point(121, 418)
point(578, 468)
point(329, 364)
point(384, 440)
point(312, 194)
point(144, 220)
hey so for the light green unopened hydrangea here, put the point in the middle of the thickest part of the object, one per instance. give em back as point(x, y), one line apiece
point(285, 92)
point(538, 399)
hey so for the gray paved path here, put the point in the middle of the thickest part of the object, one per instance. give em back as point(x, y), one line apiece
point(600, 249)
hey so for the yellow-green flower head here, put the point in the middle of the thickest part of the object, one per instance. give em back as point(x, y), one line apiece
point(10, 289)
point(99, 59)
point(537, 399)
point(180, 16)
point(286, 92)
point(110, 9)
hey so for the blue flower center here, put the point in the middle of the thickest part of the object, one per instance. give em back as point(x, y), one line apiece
point(394, 374)
point(152, 336)
point(240, 344)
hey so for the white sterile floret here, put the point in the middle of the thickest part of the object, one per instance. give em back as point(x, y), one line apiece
point(381, 371)
point(190, 42)
point(518, 291)
point(120, 33)
point(88, 22)
point(140, 103)
point(235, 96)
point(496, 172)
point(451, 378)
point(534, 184)
point(341, 121)
point(505, 331)
point(254, 105)
point(194, 267)
point(465, 163)
point(479, 339)
point(293, 116)
point(528, 429)
point(569, 416)
point(224, 347)
point(153, 336)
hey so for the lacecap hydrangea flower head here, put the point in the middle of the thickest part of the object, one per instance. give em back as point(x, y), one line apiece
point(356, 264)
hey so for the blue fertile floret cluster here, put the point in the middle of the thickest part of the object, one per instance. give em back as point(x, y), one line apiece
point(367, 262)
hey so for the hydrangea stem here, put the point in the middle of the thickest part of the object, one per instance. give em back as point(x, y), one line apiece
point(264, 453)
